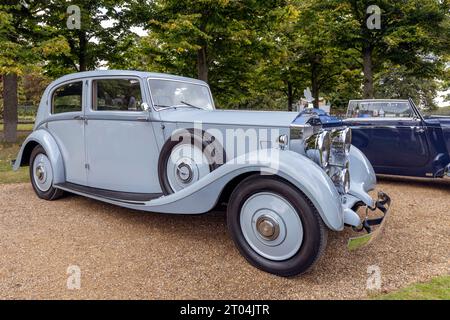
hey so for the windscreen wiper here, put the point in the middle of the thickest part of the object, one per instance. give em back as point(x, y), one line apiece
point(183, 104)
point(163, 106)
point(190, 105)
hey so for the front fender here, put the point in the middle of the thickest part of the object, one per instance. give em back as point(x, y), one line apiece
point(45, 139)
point(362, 176)
point(293, 167)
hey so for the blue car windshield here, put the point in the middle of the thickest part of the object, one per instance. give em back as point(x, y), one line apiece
point(172, 93)
point(379, 109)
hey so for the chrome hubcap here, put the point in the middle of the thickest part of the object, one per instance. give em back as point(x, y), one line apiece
point(184, 172)
point(187, 164)
point(42, 172)
point(271, 226)
point(268, 228)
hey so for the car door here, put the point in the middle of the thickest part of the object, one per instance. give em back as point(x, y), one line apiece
point(397, 139)
point(120, 142)
point(65, 123)
point(392, 142)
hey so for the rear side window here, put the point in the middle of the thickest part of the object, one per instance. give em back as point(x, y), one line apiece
point(116, 95)
point(68, 98)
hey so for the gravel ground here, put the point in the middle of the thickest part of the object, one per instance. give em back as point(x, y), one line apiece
point(126, 254)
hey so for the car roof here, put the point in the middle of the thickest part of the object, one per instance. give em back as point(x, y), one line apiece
point(140, 74)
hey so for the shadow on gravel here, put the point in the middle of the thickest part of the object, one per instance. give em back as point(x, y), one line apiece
point(184, 224)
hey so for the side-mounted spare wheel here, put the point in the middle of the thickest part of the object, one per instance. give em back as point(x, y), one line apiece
point(274, 226)
point(41, 175)
point(186, 158)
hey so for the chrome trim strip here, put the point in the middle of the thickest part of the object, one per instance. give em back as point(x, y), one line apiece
point(98, 117)
point(380, 119)
point(378, 127)
point(136, 119)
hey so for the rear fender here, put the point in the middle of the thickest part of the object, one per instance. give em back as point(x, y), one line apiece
point(43, 138)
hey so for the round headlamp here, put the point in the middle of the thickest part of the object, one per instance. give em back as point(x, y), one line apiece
point(318, 147)
point(341, 179)
point(341, 140)
point(346, 181)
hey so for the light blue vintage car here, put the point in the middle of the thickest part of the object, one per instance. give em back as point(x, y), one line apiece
point(155, 142)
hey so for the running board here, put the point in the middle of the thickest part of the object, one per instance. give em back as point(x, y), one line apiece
point(125, 197)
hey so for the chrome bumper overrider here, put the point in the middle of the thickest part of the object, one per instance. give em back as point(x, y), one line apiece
point(383, 205)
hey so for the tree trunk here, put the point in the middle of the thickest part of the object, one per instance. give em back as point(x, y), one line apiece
point(82, 51)
point(315, 84)
point(10, 107)
point(368, 72)
point(202, 64)
point(290, 96)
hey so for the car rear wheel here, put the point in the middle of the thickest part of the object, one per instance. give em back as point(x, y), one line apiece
point(274, 226)
point(41, 175)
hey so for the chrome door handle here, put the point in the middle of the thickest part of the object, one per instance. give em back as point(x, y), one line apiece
point(419, 129)
point(142, 118)
point(81, 118)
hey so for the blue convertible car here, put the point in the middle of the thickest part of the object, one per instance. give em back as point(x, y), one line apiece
point(395, 136)
point(398, 139)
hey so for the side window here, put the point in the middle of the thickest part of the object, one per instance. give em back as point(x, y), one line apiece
point(116, 95)
point(67, 98)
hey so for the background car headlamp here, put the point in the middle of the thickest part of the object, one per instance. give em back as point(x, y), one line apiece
point(318, 147)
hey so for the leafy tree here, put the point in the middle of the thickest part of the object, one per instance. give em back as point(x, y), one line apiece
point(413, 34)
point(35, 35)
point(93, 43)
point(21, 45)
point(304, 54)
point(397, 82)
point(264, 53)
point(217, 41)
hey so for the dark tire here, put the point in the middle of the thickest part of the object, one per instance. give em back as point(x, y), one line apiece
point(210, 148)
point(50, 194)
point(314, 231)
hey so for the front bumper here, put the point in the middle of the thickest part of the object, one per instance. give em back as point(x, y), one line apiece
point(383, 205)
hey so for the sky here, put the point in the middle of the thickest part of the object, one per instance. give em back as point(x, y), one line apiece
point(440, 99)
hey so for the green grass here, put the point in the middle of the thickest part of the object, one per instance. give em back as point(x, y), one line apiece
point(436, 289)
point(9, 152)
point(21, 127)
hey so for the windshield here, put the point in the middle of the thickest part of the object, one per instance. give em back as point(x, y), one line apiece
point(171, 93)
point(379, 109)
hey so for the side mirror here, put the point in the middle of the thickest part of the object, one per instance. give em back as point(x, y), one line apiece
point(145, 107)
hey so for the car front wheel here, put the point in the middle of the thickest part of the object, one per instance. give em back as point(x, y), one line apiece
point(41, 175)
point(275, 227)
